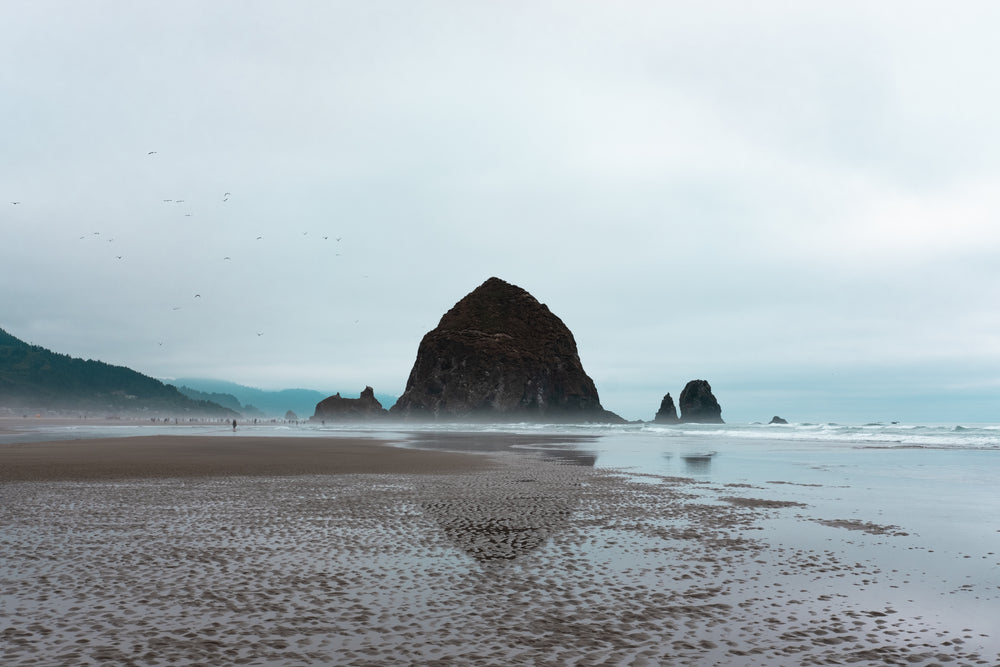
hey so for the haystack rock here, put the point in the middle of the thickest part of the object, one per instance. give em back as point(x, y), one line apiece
point(698, 404)
point(500, 355)
point(667, 414)
point(338, 408)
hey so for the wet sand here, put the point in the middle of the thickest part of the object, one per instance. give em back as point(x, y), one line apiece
point(160, 456)
point(502, 559)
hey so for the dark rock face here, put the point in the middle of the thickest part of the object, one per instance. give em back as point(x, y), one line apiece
point(667, 414)
point(500, 355)
point(337, 408)
point(777, 420)
point(698, 404)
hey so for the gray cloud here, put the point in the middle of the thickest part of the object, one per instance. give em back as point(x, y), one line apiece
point(754, 195)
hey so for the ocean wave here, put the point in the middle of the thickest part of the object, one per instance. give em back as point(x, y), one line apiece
point(927, 436)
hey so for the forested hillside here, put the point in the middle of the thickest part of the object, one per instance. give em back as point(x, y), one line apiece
point(33, 378)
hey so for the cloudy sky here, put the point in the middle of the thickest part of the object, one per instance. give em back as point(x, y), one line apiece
point(796, 201)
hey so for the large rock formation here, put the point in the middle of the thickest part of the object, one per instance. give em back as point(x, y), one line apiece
point(500, 355)
point(667, 414)
point(338, 408)
point(698, 404)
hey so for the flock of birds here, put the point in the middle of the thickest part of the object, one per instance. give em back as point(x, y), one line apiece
point(226, 196)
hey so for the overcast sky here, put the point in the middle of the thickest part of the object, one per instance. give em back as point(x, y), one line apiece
point(796, 201)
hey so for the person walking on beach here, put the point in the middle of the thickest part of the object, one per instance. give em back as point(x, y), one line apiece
point(234, 426)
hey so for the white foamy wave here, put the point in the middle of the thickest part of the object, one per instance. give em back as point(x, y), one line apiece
point(933, 436)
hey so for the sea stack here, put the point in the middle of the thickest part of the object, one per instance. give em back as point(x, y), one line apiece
point(500, 355)
point(698, 404)
point(667, 414)
point(338, 408)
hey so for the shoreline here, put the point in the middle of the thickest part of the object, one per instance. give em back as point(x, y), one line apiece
point(234, 549)
point(529, 562)
point(370, 547)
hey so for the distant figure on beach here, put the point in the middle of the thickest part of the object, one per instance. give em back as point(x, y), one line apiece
point(234, 426)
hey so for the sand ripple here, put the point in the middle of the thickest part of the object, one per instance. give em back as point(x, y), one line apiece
point(533, 563)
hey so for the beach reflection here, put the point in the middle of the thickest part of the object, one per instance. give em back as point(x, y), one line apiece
point(511, 512)
point(698, 464)
point(510, 521)
point(560, 448)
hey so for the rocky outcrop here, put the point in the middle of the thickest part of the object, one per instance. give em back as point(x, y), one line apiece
point(667, 414)
point(777, 420)
point(698, 404)
point(500, 355)
point(338, 408)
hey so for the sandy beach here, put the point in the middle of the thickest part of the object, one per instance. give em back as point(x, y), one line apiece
point(160, 456)
point(299, 551)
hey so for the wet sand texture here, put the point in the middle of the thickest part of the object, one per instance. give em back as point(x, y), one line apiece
point(163, 456)
point(529, 562)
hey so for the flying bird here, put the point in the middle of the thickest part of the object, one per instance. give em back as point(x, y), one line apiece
point(151, 153)
point(260, 333)
point(227, 258)
point(197, 296)
point(15, 203)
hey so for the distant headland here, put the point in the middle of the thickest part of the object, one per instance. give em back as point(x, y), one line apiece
point(33, 378)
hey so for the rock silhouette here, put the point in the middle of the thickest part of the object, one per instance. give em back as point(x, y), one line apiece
point(698, 404)
point(500, 355)
point(338, 408)
point(667, 414)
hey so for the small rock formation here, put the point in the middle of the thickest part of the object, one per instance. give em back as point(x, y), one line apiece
point(500, 355)
point(698, 404)
point(667, 414)
point(777, 420)
point(338, 408)
point(290, 416)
